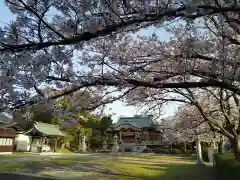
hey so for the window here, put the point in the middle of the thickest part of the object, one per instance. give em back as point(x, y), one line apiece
point(9, 142)
point(6, 141)
point(3, 141)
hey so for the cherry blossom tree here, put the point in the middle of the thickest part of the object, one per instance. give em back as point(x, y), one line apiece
point(187, 124)
point(79, 44)
point(214, 111)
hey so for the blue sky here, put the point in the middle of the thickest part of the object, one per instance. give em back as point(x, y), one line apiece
point(117, 108)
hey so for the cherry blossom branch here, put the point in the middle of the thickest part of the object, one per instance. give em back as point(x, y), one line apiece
point(112, 100)
point(132, 82)
point(212, 124)
point(156, 85)
point(86, 36)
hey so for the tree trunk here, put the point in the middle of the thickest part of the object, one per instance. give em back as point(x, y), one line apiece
point(199, 152)
point(236, 148)
point(220, 146)
point(185, 146)
point(79, 142)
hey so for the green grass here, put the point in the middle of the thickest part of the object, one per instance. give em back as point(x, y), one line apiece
point(10, 156)
point(167, 168)
point(136, 170)
point(154, 157)
point(64, 151)
point(22, 165)
point(9, 167)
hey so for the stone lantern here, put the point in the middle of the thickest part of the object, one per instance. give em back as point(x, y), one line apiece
point(83, 146)
point(115, 147)
point(104, 146)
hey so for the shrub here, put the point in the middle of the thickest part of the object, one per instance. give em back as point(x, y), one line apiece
point(128, 150)
point(192, 152)
point(147, 150)
point(226, 167)
point(174, 151)
point(161, 151)
point(103, 151)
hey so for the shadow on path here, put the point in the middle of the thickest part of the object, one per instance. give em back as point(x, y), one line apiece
point(12, 176)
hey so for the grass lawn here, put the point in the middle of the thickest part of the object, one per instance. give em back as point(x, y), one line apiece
point(14, 155)
point(93, 168)
point(140, 170)
point(155, 157)
point(31, 164)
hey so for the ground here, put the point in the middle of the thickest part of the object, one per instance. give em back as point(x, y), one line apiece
point(101, 167)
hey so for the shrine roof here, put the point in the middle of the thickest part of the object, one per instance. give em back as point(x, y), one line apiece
point(138, 122)
point(46, 129)
point(5, 117)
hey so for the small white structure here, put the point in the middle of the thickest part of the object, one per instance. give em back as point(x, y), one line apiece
point(22, 142)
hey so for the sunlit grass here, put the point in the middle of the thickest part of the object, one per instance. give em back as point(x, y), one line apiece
point(68, 167)
point(138, 170)
point(153, 157)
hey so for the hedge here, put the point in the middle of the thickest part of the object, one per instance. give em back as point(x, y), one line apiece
point(174, 151)
point(128, 150)
point(161, 151)
point(147, 150)
point(226, 168)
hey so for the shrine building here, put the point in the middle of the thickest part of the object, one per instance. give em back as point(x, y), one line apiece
point(136, 133)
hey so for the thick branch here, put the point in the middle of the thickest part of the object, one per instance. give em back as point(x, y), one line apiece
point(86, 36)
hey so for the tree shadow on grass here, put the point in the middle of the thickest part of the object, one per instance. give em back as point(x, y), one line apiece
point(169, 171)
point(14, 176)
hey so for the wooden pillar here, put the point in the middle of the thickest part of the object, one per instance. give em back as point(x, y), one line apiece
point(147, 136)
point(159, 138)
point(120, 136)
point(30, 149)
point(55, 145)
point(42, 139)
